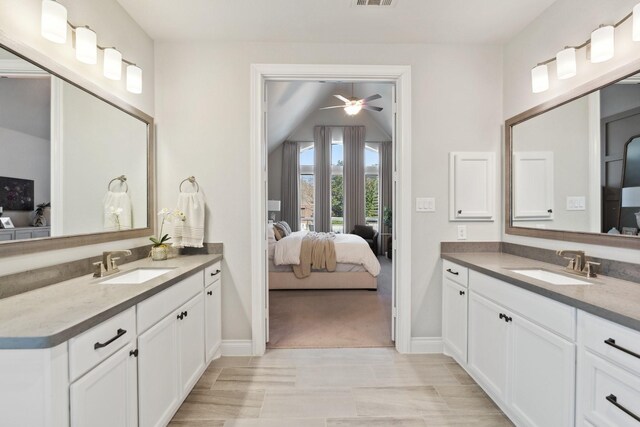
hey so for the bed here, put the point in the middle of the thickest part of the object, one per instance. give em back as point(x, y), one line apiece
point(357, 267)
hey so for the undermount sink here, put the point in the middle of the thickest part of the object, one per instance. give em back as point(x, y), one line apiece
point(137, 276)
point(550, 277)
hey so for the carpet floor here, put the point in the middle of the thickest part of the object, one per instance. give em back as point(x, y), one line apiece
point(332, 318)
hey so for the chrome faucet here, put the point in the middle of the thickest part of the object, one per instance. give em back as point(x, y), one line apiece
point(108, 264)
point(578, 264)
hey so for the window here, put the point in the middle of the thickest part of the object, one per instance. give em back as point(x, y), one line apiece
point(372, 184)
point(307, 186)
point(337, 181)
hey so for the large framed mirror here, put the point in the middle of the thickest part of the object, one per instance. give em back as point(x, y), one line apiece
point(572, 165)
point(76, 163)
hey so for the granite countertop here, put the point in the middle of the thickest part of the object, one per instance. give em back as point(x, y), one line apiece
point(48, 316)
point(613, 299)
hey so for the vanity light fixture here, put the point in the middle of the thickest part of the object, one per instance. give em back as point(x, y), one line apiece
point(53, 22)
point(86, 45)
point(635, 33)
point(602, 44)
point(540, 78)
point(53, 27)
point(566, 63)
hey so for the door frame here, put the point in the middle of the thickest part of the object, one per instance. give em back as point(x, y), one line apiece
point(401, 76)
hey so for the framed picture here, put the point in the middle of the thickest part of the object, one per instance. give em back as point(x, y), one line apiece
point(16, 194)
point(629, 231)
point(5, 222)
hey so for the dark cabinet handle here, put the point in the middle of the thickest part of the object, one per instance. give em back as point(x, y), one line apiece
point(614, 401)
point(215, 273)
point(119, 333)
point(460, 211)
point(209, 292)
point(612, 343)
point(461, 292)
point(134, 353)
point(452, 272)
point(180, 316)
point(505, 317)
point(501, 316)
point(184, 313)
point(550, 210)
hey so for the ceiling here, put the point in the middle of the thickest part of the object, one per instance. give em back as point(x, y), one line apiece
point(335, 21)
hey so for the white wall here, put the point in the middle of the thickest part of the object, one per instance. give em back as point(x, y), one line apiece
point(203, 130)
point(566, 22)
point(274, 190)
point(20, 21)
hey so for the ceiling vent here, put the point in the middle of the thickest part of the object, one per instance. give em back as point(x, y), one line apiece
point(374, 2)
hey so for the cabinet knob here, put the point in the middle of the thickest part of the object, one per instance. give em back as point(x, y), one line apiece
point(134, 353)
point(185, 313)
point(459, 211)
point(209, 292)
point(550, 210)
point(462, 292)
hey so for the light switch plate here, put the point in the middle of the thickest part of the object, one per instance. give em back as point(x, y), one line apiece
point(462, 232)
point(425, 204)
point(576, 203)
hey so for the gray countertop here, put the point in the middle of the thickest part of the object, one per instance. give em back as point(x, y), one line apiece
point(48, 316)
point(613, 299)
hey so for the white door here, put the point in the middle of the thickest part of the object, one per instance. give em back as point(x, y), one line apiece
point(488, 343)
point(454, 326)
point(532, 185)
point(264, 168)
point(213, 319)
point(542, 372)
point(394, 157)
point(159, 390)
point(107, 395)
point(190, 342)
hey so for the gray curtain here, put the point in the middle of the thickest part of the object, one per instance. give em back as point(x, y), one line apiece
point(353, 172)
point(322, 172)
point(289, 209)
point(386, 183)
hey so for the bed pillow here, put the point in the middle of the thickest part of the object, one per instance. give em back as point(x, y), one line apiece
point(364, 231)
point(285, 226)
point(271, 235)
point(279, 229)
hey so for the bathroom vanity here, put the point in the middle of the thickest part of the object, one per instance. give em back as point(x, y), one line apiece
point(548, 354)
point(120, 350)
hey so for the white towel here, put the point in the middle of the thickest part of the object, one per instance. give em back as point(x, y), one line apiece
point(190, 232)
point(117, 211)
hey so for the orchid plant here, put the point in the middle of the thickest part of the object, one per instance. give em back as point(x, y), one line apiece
point(167, 216)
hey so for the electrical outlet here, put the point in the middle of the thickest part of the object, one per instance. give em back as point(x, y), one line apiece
point(462, 232)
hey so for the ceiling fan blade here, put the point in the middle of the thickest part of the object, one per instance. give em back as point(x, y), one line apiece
point(372, 97)
point(335, 106)
point(371, 108)
point(342, 98)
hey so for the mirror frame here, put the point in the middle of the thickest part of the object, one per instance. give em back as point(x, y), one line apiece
point(622, 241)
point(20, 247)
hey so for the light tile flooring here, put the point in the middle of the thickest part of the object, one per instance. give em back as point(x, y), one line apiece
point(337, 387)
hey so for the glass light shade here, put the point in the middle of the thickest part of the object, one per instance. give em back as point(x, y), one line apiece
point(86, 45)
point(630, 197)
point(540, 78)
point(353, 108)
point(134, 79)
point(566, 63)
point(112, 64)
point(53, 21)
point(602, 44)
point(635, 34)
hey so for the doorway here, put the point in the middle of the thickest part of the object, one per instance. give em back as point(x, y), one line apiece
point(401, 77)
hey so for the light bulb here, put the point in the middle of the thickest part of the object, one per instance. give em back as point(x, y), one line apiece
point(566, 63)
point(353, 108)
point(86, 45)
point(112, 64)
point(602, 44)
point(635, 34)
point(540, 78)
point(53, 21)
point(134, 79)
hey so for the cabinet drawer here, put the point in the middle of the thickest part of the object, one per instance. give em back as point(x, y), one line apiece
point(455, 272)
point(212, 274)
point(95, 345)
point(158, 306)
point(610, 340)
point(548, 313)
point(610, 396)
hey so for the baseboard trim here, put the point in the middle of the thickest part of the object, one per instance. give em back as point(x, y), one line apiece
point(426, 345)
point(236, 348)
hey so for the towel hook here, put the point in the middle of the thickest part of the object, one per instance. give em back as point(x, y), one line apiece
point(122, 179)
point(192, 180)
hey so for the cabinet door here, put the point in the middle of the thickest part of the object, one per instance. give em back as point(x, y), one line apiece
point(23, 234)
point(107, 395)
point(542, 372)
point(454, 320)
point(533, 185)
point(472, 186)
point(191, 343)
point(213, 319)
point(488, 344)
point(158, 379)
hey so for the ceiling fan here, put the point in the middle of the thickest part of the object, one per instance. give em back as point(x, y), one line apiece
point(353, 105)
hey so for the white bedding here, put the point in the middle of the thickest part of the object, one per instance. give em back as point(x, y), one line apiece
point(350, 249)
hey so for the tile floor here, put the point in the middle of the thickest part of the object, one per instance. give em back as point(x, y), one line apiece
point(337, 388)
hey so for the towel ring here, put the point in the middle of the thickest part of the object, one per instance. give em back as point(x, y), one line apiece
point(192, 180)
point(122, 179)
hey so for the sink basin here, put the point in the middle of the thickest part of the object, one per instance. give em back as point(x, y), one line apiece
point(550, 277)
point(137, 276)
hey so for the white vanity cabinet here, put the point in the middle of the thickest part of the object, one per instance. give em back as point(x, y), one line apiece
point(454, 316)
point(212, 311)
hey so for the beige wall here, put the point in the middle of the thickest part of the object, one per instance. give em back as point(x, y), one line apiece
point(566, 22)
point(202, 107)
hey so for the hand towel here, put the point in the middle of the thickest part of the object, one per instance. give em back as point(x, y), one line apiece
point(117, 211)
point(190, 232)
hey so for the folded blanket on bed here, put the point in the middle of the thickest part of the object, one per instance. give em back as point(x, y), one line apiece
point(317, 251)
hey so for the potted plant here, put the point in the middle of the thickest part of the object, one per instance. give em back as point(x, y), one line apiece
point(387, 220)
point(160, 248)
point(39, 219)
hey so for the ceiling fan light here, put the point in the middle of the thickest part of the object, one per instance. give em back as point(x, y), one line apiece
point(353, 108)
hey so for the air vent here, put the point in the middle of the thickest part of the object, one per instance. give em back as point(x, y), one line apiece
point(374, 2)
